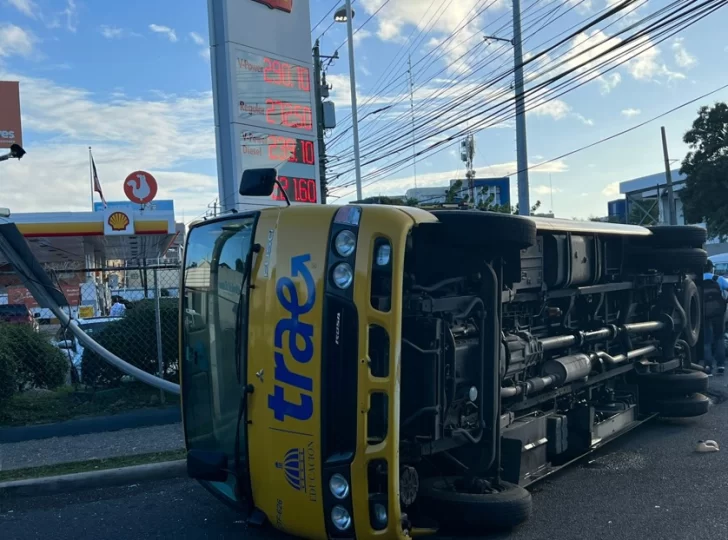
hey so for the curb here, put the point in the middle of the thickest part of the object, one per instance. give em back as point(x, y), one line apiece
point(96, 424)
point(68, 483)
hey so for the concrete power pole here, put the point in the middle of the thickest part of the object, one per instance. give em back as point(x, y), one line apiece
point(671, 209)
point(524, 201)
point(320, 117)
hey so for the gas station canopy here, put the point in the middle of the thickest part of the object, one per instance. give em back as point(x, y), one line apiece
point(92, 238)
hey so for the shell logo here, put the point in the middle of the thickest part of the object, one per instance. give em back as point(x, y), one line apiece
point(118, 221)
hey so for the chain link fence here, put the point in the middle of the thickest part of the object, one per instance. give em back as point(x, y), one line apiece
point(46, 375)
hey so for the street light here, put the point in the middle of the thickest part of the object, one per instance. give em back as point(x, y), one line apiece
point(346, 14)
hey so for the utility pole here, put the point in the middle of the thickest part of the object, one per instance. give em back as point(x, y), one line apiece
point(671, 210)
point(412, 110)
point(320, 117)
point(354, 112)
point(524, 202)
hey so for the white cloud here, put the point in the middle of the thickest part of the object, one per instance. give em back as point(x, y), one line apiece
point(162, 135)
point(166, 30)
point(111, 32)
point(26, 7)
point(629, 113)
point(648, 65)
point(197, 38)
point(611, 190)
point(583, 119)
point(14, 41)
point(70, 13)
point(361, 35)
point(556, 109)
point(682, 57)
point(609, 81)
point(438, 22)
point(544, 190)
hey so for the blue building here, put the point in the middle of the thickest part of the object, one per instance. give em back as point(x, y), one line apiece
point(500, 188)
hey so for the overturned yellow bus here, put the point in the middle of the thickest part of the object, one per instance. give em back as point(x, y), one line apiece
point(387, 372)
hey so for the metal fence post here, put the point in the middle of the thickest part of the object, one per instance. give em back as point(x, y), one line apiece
point(158, 316)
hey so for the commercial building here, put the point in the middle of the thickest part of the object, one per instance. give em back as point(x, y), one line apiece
point(645, 201)
point(497, 190)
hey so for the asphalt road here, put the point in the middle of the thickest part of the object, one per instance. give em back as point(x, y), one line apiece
point(648, 485)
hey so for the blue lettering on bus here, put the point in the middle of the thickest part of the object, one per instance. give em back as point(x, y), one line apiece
point(293, 339)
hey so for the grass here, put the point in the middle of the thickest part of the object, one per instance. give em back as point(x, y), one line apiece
point(42, 407)
point(90, 465)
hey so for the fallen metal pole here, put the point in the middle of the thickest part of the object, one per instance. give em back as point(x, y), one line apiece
point(45, 300)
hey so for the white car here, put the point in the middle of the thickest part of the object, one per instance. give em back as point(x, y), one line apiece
point(70, 346)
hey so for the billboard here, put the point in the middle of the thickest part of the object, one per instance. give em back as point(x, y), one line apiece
point(264, 100)
point(10, 128)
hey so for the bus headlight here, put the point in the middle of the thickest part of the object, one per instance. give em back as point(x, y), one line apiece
point(345, 243)
point(384, 254)
point(343, 275)
point(339, 486)
point(340, 518)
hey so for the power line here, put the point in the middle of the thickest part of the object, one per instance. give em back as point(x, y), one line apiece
point(482, 87)
point(591, 145)
point(325, 17)
point(539, 87)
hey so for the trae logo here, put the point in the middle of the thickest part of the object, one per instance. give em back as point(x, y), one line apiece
point(292, 393)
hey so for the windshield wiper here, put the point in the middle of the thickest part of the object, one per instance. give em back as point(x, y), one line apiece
point(239, 312)
point(248, 388)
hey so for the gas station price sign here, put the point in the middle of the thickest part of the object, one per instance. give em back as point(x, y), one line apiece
point(273, 92)
point(294, 159)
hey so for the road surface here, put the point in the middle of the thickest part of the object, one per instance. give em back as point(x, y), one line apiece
point(648, 485)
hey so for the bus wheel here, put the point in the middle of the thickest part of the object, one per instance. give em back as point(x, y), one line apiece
point(667, 259)
point(460, 510)
point(682, 406)
point(670, 236)
point(477, 228)
point(677, 383)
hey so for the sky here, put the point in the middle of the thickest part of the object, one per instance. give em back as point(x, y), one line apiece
point(133, 81)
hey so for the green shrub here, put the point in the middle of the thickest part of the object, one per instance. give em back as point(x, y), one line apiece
point(8, 375)
point(134, 340)
point(38, 364)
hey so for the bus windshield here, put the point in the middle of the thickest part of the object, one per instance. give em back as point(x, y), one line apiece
point(213, 326)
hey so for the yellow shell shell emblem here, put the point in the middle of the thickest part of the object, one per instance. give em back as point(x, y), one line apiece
point(118, 221)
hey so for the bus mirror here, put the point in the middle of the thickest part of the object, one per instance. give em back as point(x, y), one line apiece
point(258, 182)
point(206, 465)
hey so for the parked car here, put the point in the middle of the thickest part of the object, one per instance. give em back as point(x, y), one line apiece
point(18, 314)
point(67, 342)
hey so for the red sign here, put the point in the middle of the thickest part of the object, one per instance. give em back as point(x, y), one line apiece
point(140, 187)
point(10, 129)
point(283, 5)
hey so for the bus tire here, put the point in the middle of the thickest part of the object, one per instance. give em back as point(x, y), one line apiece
point(682, 406)
point(676, 383)
point(668, 259)
point(478, 228)
point(472, 513)
point(666, 236)
point(692, 306)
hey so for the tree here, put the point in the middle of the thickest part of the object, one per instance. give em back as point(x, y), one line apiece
point(705, 196)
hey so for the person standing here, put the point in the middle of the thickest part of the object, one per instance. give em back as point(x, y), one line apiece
point(117, 308)
point(715, 291)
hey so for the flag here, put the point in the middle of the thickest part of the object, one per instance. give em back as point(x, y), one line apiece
point(97, 184)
